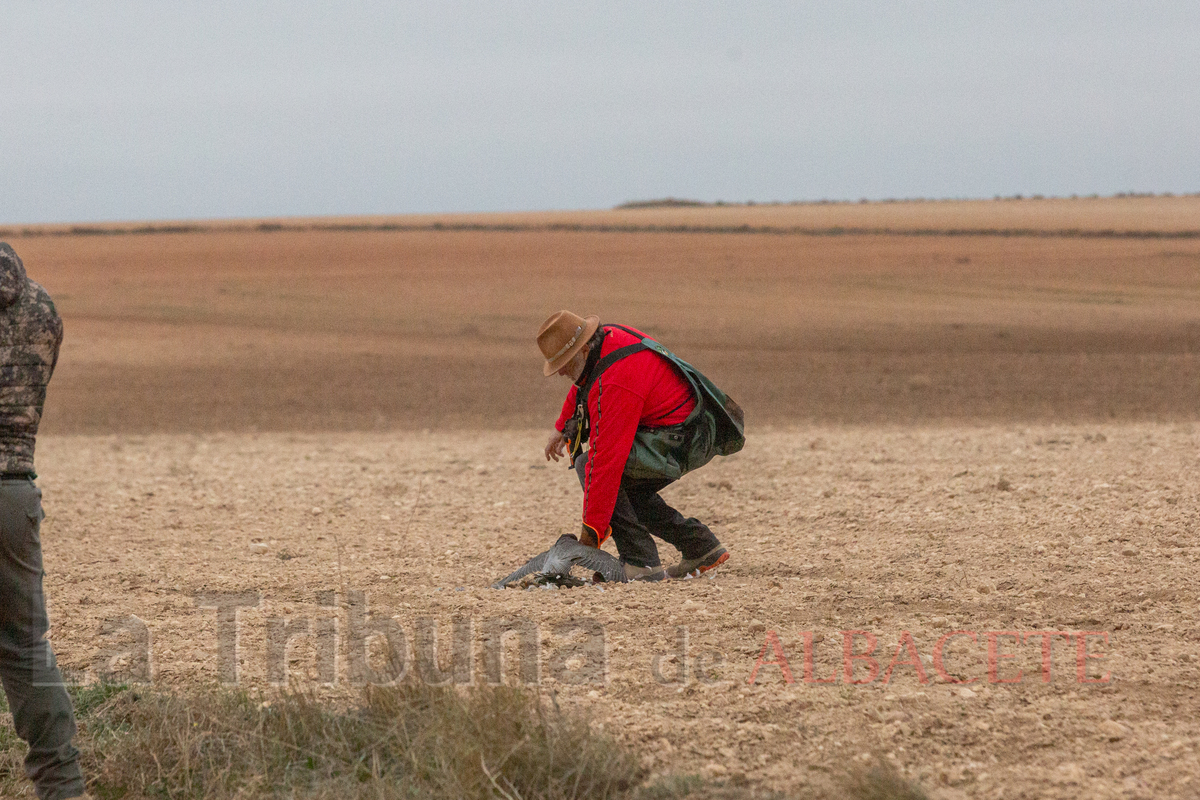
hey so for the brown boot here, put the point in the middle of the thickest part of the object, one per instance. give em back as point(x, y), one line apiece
point(695, 567)
point(633, 573)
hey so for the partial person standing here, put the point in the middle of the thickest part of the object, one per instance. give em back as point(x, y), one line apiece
point(30, 334)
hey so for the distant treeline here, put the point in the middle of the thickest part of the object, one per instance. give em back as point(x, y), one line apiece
point(675, 202)
point(773, 230)
point(309, 225)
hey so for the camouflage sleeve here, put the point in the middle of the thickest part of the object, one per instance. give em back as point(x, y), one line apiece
point(31, 334)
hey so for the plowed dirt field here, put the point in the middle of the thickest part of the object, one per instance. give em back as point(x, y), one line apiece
point(964, 524)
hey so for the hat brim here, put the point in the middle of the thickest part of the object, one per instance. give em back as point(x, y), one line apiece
point(590, 324)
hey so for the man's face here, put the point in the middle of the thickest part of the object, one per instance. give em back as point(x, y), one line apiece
point(574, 368)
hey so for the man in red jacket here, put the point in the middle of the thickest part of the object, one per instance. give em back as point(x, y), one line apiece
point(642, 390)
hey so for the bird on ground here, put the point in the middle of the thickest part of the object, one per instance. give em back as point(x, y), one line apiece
point(554, 565)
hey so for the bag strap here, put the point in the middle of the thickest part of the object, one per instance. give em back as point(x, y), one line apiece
point(681, 366)
point(582, 430)
point(605, 363)
point(630, 331)
point(709, 399)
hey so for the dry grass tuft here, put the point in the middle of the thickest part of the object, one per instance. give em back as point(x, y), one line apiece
point(12, 753)
point(881, 781)
point(404, 741)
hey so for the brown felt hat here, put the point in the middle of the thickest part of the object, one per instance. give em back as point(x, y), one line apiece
point(562, 336)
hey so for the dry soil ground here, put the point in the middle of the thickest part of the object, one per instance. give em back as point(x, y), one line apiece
point(980, 433)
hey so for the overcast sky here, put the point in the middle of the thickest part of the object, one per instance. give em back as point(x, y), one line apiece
point(124, 110)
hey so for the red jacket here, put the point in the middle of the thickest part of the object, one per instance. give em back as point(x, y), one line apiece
point(643, 389)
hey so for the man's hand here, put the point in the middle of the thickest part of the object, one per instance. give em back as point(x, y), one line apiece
point(557, 446)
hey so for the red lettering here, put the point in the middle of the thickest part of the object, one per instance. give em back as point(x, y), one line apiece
point(994, 656)
point(780, 661)
point(937, 656)
point(1047, 637)
point(808, 662)
point(849, 656)
point(1082, 655)
point(914, 659)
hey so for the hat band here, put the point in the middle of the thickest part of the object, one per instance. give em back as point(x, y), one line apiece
point(567, 346)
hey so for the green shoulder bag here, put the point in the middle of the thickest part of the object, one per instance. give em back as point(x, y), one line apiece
point(716, 426)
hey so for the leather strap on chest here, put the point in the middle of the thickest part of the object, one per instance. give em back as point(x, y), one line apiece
point(583, 427)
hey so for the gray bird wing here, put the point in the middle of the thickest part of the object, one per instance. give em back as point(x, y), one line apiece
point(592, 558)
point(534, 564)
point(566, 553)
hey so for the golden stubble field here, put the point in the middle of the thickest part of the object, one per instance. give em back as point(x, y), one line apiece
point(972, 433)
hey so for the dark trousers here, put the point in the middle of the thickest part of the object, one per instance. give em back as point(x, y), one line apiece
point(40, 706)
point(640, 512)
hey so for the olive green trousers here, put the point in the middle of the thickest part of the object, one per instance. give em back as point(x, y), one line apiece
point(34, 688)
